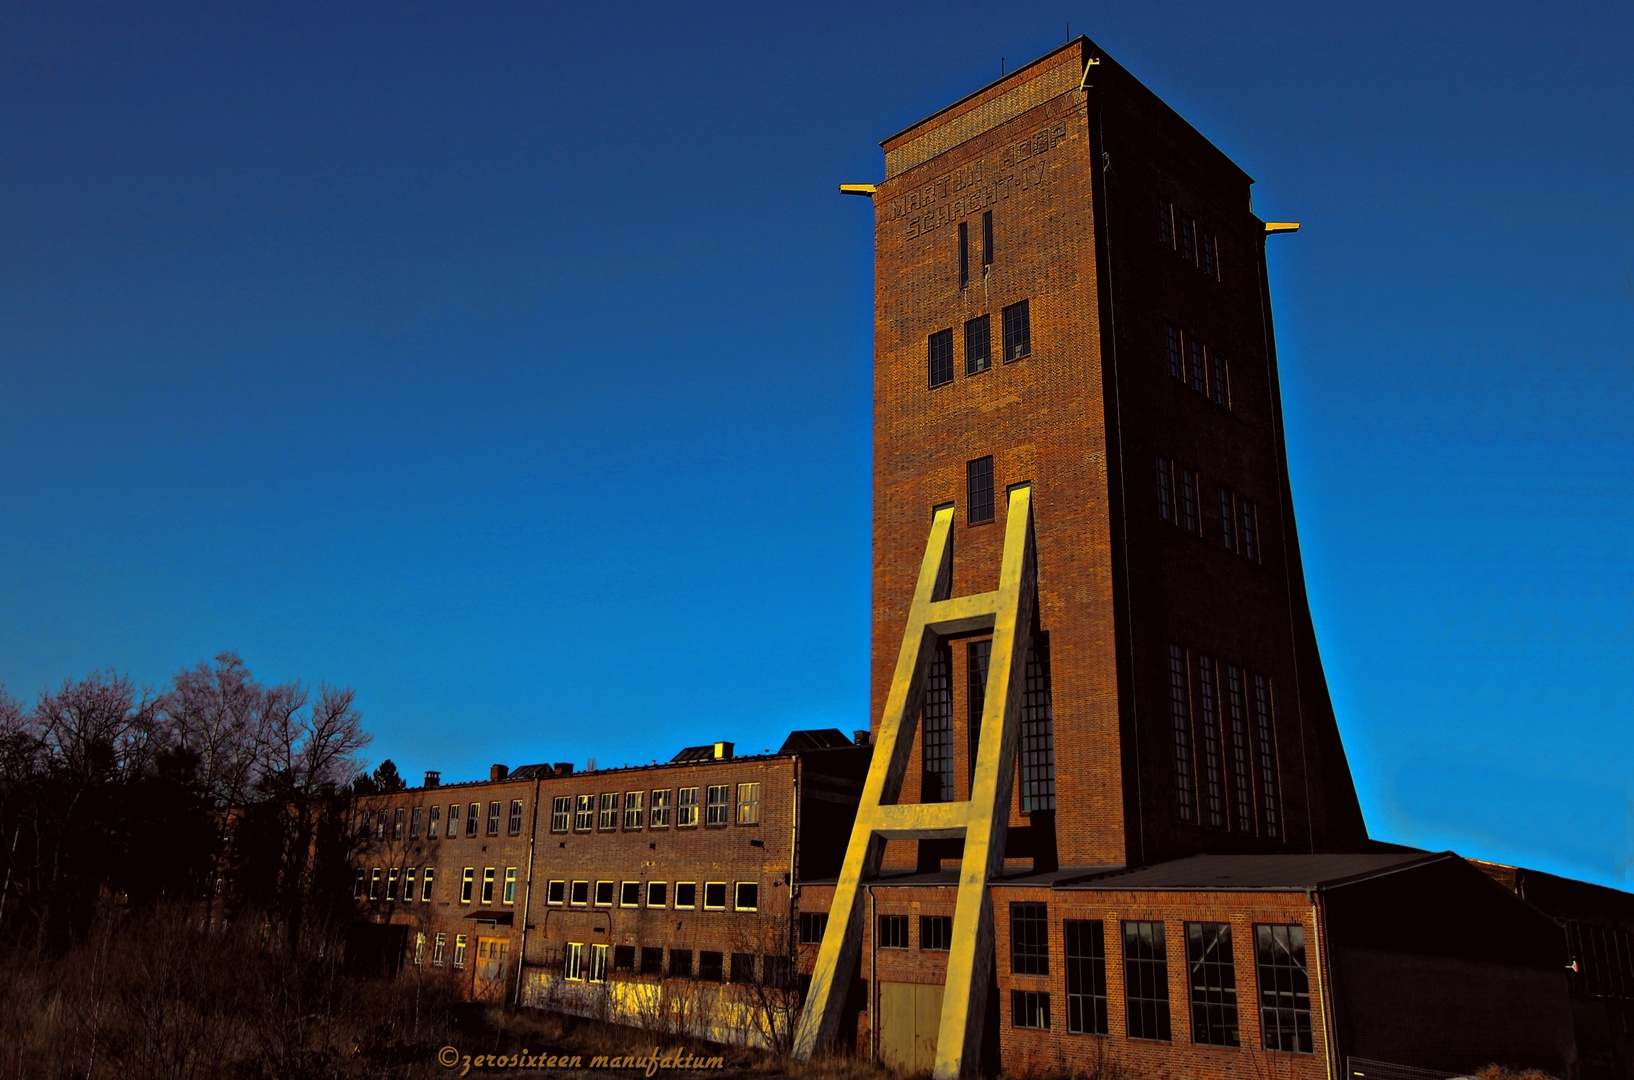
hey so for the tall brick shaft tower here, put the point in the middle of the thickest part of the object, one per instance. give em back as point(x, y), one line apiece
point(1071, 292)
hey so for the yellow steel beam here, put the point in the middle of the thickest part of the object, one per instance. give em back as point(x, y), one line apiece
point(983, 821)
point(1281, 226)
point(859, 189)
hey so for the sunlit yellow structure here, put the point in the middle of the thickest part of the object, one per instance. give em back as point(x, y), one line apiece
point(981, 822)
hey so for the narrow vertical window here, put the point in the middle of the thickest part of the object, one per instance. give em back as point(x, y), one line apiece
point(1208, 715)
point(1086, 976)
point(1213, 972)
point(1228, 521)
point(493, 818)
point(1251, 532)
point(979, 487)
point(459, 950)
point(598, 964)
point(473, 819)
point(425, 884)
point(409, 882)
point(510, 885)
point(634, 813)
point(434, 823)
point(1219, 388)
point(374, 884)
point(1171, 351)
point(937, 725)
point(514, 824)
point(1180, 711)
point(561, 811)
point(1029, 939)
point(1165, 223)
point(1266, 740)
point(1196, 370)
point(573, 962)
point(468, 881)
point(1188, 500)
point(1165, 489)
point(1188, 239)
point(749, 804)
point(1037, 750)
point(357, 884)
point(1285, 992)
point(1018, 331)
point(1242, 769)
point(977, 656)
point(607, 812)
point(488, 885)
point(978, 345)
point(453, 821)
point(399, 822)
point(1211, 265)
point(940, 354)
point(964, 255)
point(415, 821)
point(391, 884)
point(1146, 980)
point(987, 240)
point(437, 947)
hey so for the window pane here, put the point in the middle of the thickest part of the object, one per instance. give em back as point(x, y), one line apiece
point(979, 486)
point(1198, 376)
point(987, 238)
point(1208, 716)
point(964, 254)
point(1165, 489)
point(977, 656)
point(893, 931)
point(940, 353)
point(1029, 1009)
point(937, 725)
point(1213, 974)
point(1266, 742)
point(1285, 997)
point(1180, 712)
point(978, 345)
point(1037, 750)
point(1029, 939)
point(1018, 331)
point(1086, 976)
point(1242, 773)
point(935, 932)
point(1146, 980)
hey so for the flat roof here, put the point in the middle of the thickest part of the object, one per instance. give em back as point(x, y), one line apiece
point(1256, 873)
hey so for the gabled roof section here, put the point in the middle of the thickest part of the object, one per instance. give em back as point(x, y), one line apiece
point(815, 739)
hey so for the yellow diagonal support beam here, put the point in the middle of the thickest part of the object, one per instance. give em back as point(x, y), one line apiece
point(982, 822)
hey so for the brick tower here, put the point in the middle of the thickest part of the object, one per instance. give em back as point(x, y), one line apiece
point(1071, 292)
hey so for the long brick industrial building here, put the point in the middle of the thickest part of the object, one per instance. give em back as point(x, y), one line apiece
point(1072, 302)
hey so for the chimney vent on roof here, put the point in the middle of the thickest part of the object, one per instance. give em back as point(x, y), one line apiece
point(861, 738)
point(723, 749)
point(497, 772)
point(433, 778)
point(564, 768)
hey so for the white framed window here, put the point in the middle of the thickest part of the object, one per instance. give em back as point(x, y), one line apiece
point(488, 885)
point(719, 809)
point(749, 804)
point(459, 951)
point(686, 808)
point(629, 894)
point(657, 894)
point(468, 880)
point(714, 896)
point(573, 962)
point(419, 949)
point(604, 893)
point(555, 892)
point(425, 884)
point(633, 811)
point(584, 813)
point(598, 964)
point(510, 885)
point(746, 896)
point(607, 819)
point(561, 811)
point(686, 894)
point(658, 818)
point(437, 950)
point(580, 896)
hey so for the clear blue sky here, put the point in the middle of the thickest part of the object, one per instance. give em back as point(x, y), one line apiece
point(510, 363)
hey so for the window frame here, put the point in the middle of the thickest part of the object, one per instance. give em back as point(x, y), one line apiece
point(1034, 1005)
point(1154, 971)
point(658, 812)
point(409, 884)
point(978, 345)
point(425, 884)
point(691, 905)
point(399, 822)
point(607, 812)
point(813, 923)
point(718, 810)
point(460, 944)
point(494, 809)
point(748, 808)
point(573, 892)
point(374, 884)
point(635, 810)
point(597, 972)
point(891, 931)
point(964, 255)
point(468, 883)
point(663, 894)
point(939, 357)
point(510, 885)
point(392, 875)
point(686, 808)
point(473, 820)
point(489, 873)
point(939, 939)
point(556, 897)
point(584, 813)
point(709, 887)
point(434, 822)
point(513, 825)
point(979, 491)
point(416, 822)
point(454, 813)
point(611, 893)
point(438, 947)
point(1085, 966)
point(1029, 938)
point(573, 961)
point(628, 889)
point(1017, 328)
point(754, 897)
point(1211, 984)
point(561, 813)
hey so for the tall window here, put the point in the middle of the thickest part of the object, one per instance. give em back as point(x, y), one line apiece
point(437, 947)
point(357, 884)
point(1037, 750)
point(468, 881)
point(978, 654)
point(749, 804)
point(493, 818)
point(1018, 331)
point(893, 932)
point(978, 345)
point(409, 882)
point(1165, 223)
point(964, 254)
point(1251, 532)
point(1211, 265)
point(1213, 983)
point(1189, 516)
point(434, 822)
point(473, 815)
point(1188, 238)
point(415, 822)
point(940, 349)
point(380, 825)
point(510, 885)
point(634, 813)
point(1185, 782)
point(1214, 807)
point(425, 884)
point(1242, 770)
point(979, 487)
point(488, 885)
point(1171, 351)
point(718, 810)
point(374, 884)
point(391, 884)
point(1086, 976)
point(1165, 489)
point(597, 968)
point(659, 817)
point(459, 950)
point(561, 809)
point(1285, 992)
point(1265, 737)
point(584, 813)
point(1030, 1009)
point(937, 725)
point(1219, 387)
point(573, 961)
point(987, 240)
point(1029, 939)
point(1196, 371)
point(453, 821)
point(514, 824)
point(1228, 521)
point(1146, 980)
point(686, 809)
point(607, 813)
point(419, 949)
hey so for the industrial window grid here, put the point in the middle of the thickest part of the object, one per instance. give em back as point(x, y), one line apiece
point(658, 817)
point(718, 810)
point(686, 809)
point(1030, 1009)
point(1189, 510)
point(1242, 770)
point(1188, 238)
point(1171, 349)
point(1086, 976)
point(1196, 371)
point(1219, 381)
point(634, 813)
point(978, 345)
point(749, 803)
point(1250, 531)
point(493, 818)
point(607, 815)
point(1018, 331)
point(979, 489)
point(1285, 991)
point(937, 725)
point(1165, 489)
point(584, 813)
point(1185, 782)
point(1029, 938)
point(936, 932)
point(893, 932)
point(1146, 980)
point(1208, 716)
point(1037, 750)
point(1228, 520)
point(939, 355)
point(1165, 223)
point(1266, 741)
point(1213, 982)
point(964, 254)
point(813, 925)
point(473, 819)
point(978, 655)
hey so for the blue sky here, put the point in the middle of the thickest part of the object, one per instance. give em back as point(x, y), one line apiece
point(510, 363)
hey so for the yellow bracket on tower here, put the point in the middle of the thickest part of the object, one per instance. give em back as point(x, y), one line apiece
point(983, 822)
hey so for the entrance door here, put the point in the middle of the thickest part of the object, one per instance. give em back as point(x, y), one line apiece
point(489, 982)
point(909, 1014)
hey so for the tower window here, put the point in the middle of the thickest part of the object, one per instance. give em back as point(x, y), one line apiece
point(1171, 350)
point(1018, 333)
point(1165, 223)
point(979, 487)
point(1198, 375)
point(1146, 980)
point(1165, 489)
point(941, 357)
point(1037, 750)
point(1265, 737)
point(1228, 521)
point(1188, 500)
point(1213, 973)
point(1180, 710)
point(964, 254)
point(1209, 729)
point(978, 345)
point(1251, 538)
point(1211, 265)
point(987, 239)
point(1188, 239)
point(937, 747)
point(1218, 387)
point(1242, 778)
